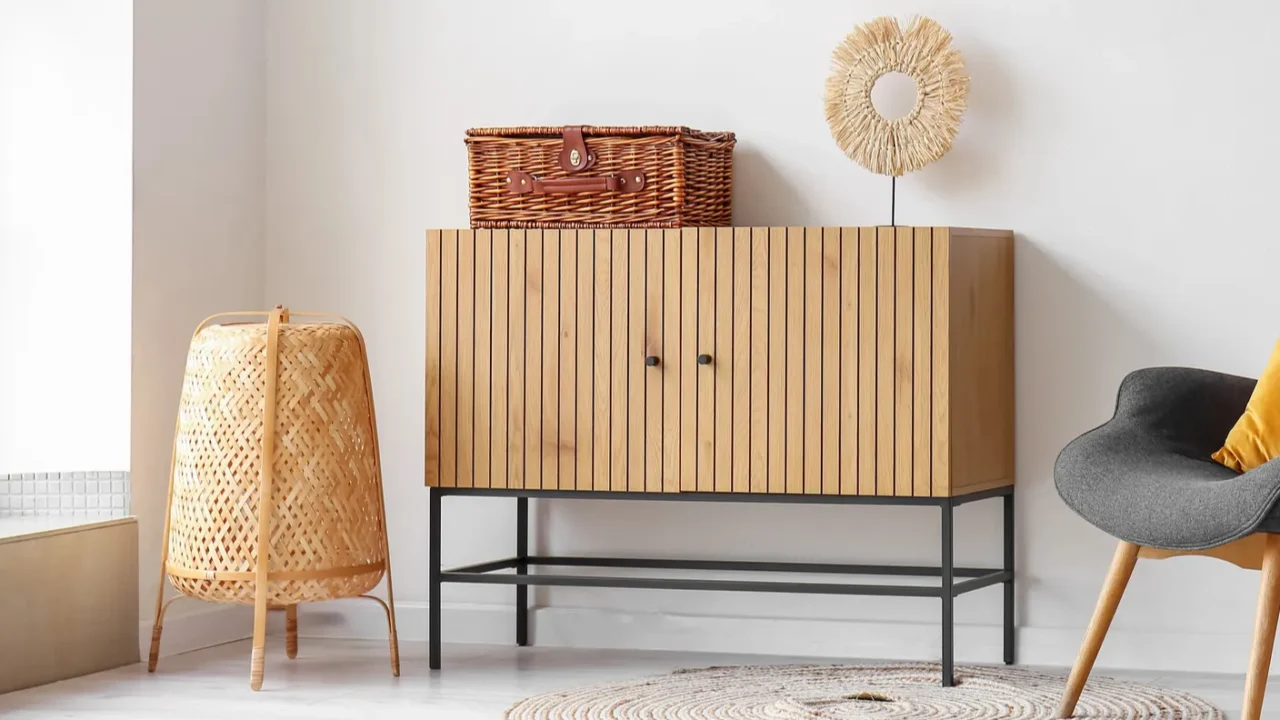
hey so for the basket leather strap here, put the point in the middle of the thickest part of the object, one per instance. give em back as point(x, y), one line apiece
point(575, 156)
point(627, 181)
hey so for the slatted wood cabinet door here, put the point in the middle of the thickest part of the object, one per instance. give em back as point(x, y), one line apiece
point(856, 361)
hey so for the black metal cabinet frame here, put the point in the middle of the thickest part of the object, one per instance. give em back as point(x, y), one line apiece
point(954, 581)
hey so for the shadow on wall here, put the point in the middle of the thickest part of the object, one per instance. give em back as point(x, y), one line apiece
point(761, 195)
point(1074, 346)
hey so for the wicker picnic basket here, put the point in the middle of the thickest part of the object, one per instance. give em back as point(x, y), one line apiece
point(589, 177)
point(275, 496)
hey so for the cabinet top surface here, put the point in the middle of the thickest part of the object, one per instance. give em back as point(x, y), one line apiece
point(961, 231)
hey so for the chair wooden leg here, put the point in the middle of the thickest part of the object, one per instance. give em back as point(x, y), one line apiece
point(291, 631)
point(1264, 631)
point(1117, 578)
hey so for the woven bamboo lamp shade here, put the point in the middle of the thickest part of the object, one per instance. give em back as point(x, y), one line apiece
point(275, 494)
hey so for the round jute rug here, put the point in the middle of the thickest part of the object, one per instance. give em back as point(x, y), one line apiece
point(851, 692)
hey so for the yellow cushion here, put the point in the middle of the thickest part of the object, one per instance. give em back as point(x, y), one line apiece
point(1256, 437)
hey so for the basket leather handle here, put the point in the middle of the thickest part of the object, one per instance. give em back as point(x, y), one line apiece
point(575, 156)
point(627, 181)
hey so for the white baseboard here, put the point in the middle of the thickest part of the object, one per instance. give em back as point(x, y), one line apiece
point(193, 625)
point(604, 628)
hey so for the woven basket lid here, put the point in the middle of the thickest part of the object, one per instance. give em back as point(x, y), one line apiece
point(557, 131)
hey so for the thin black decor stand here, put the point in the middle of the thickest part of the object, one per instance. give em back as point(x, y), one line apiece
point(893, 200)
point(947, 590)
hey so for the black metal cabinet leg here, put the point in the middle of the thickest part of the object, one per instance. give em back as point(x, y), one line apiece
point(433, 573)
point(948, 597)
point(522, 553)
point(1008, 585)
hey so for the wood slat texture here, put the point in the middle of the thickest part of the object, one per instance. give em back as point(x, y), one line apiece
point(499, 418)
point(672, 360)
point(849, 361)
point(619, 404)
point(868, 431)
point(940, 457)
point(466, 359)
point(433, 358)
point(777, 410)
point(741, 319)
point(482, 427)
point(449, 357)
point(884, 343)
point(603, 356)
point(833, 357)
point(517, 263)
point(922, 382)
point(813, 360)
point(687, 360)
point(795, 375)
point(722, 364)
point(758, 411)
point(586, 302)
point(653, 375)
point(903, 362)
point(550, 446)
point(636, 350)
point(830, 344)
point(706, 374)
point(568, 453)
point(533, 417)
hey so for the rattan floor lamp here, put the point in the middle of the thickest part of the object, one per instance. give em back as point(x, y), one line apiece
point(276, 449)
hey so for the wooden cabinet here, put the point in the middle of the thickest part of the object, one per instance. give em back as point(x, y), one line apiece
point(852, 361)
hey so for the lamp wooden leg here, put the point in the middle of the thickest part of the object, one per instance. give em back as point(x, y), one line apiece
point(1264, 631)
point(1117, 578)
point(291, 631)
point(154, 656)
point(391, 625)
point(261, 573)
point(257, 660)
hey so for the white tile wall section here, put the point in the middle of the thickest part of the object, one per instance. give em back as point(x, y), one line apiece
point(89, 494)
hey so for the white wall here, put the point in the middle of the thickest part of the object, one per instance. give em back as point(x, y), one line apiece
point(66, 79)
point(1128, 144)
point(198, 223)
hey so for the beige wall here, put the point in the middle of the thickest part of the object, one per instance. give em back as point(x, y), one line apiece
point(198, 220)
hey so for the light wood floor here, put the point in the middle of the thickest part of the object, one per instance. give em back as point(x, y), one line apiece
point(351, 679)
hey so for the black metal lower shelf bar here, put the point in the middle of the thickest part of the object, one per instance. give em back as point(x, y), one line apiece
point(995, 577)
point(749, 566)
point(773, 586)
point(484, 567)
point(481, 573)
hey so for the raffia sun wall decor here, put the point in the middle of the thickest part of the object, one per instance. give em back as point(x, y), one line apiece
point(922, 51)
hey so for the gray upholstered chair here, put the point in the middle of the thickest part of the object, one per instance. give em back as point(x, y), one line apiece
point(1146, 478)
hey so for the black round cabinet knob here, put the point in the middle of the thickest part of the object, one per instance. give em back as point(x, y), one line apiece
point(704, 359)
point(651, 361)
